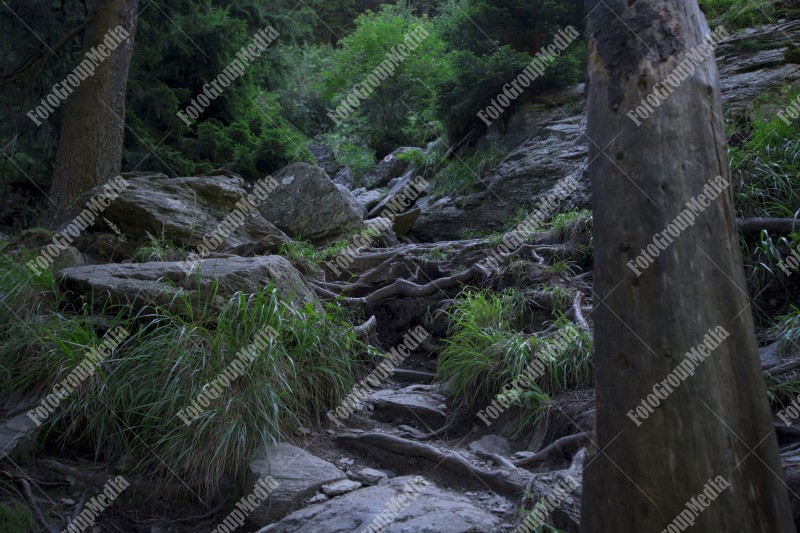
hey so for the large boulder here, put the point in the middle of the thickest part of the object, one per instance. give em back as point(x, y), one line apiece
point(211, 284)
point(308, 205)
point(431, 508)
point(184, 210)
point(527, 174)
point(299, 475)
point(387, 169)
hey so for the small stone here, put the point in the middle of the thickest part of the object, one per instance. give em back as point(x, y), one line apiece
point(341, 487)
point(330, 432)
point(67, 501)
point(346, 461)
point(303, 430)
point(318, 498)
point(368, 476)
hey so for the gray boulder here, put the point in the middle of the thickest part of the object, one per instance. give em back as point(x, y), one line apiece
point(308, 205)
point(431, 509)
point(167, 285)
point(183, 210)
point(387, 169)
point(345, 177)
point(326, 158)
point(299, 475)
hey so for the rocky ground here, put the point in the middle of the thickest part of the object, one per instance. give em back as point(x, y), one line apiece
point(405, 441)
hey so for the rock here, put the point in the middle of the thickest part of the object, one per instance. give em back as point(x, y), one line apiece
point(167, 285)
point(68, 257)
point(346, 461)
point(368, 476)
point(317, 498)
point(405, 221)
point(368, 199)
point(345, 177)
point(310, 206)
point(299, 475)
point(431, 509)
point(402, 196)
point(527, 174)
point(17, 435)
point(492, 444)
point(389, 168)
point(383, 231)
point(414, 405)
point(745, 76)
point(340, 487)
point(184, 210)
point(326, 158)
point(104, 247)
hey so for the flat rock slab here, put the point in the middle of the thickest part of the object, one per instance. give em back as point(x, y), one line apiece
point(17, 435)
point(340, 487)
point(368, 476)
point(417, 405)
point(431, 510)
point(212, 284)
point(299, 474)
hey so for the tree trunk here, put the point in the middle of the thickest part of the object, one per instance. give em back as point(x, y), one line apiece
point(90, 147)
point(716, 422)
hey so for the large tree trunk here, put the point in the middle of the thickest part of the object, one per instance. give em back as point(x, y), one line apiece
point(90, 147)
point(717, 422)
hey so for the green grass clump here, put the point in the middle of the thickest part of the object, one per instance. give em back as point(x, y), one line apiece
point(17, 518)
point(127, 411)
point(571, 226)
point(488, 350)
point(463, 175)
point(737, 14)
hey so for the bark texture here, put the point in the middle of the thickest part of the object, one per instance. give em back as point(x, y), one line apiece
point(717, 422)
point(90, 146)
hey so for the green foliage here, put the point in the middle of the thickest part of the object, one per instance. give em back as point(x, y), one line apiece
point(487, 350)
point(786, 331)
point(572, 225)
point(736, 14)
point(17, 518)
point(396, 113)
point(463, 175)
point(766, 167)
point(128, 409)
point(159, 248)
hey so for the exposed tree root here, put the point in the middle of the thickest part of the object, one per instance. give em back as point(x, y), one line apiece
point(510, 483)
point(575, 313)
point(555, 447)
point(772, 225)
point(26, 489)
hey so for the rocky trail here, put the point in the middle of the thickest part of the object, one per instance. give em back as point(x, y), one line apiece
point(404, 453)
